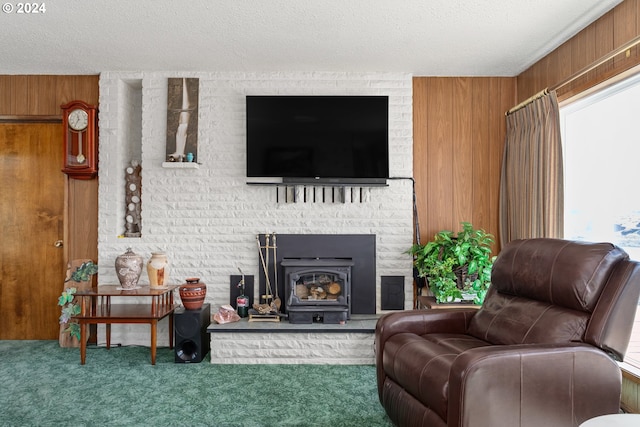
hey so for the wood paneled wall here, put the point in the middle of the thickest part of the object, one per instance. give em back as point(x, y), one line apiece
point(459, 124)
point(458, 138)
point(42, 95)
point(603, 36)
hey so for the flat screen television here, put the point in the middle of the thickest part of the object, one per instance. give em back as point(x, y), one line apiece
point(318, 139)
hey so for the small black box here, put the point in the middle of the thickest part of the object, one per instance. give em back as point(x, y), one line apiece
point(329, 316)
point(334, 317)
point(192, 342)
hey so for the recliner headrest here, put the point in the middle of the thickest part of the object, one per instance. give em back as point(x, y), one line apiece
point(564, 273)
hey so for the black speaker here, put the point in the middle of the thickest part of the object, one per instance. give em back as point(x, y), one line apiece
point(192, 341)
point(392, 290)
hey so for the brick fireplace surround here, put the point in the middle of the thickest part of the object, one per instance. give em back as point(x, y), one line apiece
point(318, 342)
point(207, 218)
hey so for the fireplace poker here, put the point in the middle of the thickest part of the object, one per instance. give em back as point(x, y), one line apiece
point(275, 272)
point(266, 261)
point(267, 247)
point(265, 269)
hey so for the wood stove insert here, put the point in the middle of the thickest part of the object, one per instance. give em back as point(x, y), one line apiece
point(318, 289)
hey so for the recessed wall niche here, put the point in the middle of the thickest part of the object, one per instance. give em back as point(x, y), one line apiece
point(130, 155)
point(133, 200)
point(182, 120)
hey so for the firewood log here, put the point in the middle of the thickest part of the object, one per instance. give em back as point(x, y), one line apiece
point(334, 288)
point(302, 291)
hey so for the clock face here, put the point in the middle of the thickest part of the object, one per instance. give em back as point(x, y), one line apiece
point(78, 119)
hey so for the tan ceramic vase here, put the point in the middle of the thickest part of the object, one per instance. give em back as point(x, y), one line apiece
point(192, 293)
point(158, 270)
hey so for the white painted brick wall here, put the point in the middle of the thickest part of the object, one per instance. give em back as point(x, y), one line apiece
point(293, 348)
point(206, 219)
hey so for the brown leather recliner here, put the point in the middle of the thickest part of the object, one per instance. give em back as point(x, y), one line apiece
point(539, 352)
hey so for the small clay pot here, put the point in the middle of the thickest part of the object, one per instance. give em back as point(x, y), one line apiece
point(192, 293)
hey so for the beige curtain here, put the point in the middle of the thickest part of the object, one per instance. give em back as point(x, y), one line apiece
point(531, 186)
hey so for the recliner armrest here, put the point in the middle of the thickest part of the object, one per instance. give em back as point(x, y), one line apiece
point(418, 322)
point(532, 384)
point(422, 322)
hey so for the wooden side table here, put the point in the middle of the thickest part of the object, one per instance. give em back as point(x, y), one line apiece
point(98, 309)
point(429, 303)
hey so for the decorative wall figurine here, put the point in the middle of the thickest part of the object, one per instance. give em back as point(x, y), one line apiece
point(182, 119)
point(133, 201)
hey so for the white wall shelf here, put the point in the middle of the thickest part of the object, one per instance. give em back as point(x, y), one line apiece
point(181, 165)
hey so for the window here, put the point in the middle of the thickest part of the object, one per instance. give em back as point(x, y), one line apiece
point(601, 141)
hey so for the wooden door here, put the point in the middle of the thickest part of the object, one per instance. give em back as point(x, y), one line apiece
point(32, 214)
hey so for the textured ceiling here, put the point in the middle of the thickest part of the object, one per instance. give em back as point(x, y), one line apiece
point(422, 37)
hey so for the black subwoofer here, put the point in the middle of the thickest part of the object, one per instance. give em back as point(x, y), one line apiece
point(191, 338)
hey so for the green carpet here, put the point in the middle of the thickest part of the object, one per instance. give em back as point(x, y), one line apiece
point(45, 385)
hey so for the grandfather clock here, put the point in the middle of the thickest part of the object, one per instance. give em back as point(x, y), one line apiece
point(80, 124)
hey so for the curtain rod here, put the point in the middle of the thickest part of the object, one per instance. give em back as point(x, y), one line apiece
point(631, 43)
point(527, 101)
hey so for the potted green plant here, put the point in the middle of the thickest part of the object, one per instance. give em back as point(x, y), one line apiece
point(69, 304)
point(457, 266)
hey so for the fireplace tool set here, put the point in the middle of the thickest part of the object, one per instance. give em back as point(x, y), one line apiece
point(269, 308)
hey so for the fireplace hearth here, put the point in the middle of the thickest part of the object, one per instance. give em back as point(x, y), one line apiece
point(318, 289)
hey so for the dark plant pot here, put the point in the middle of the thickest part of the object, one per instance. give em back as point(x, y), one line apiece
point(462, 276)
